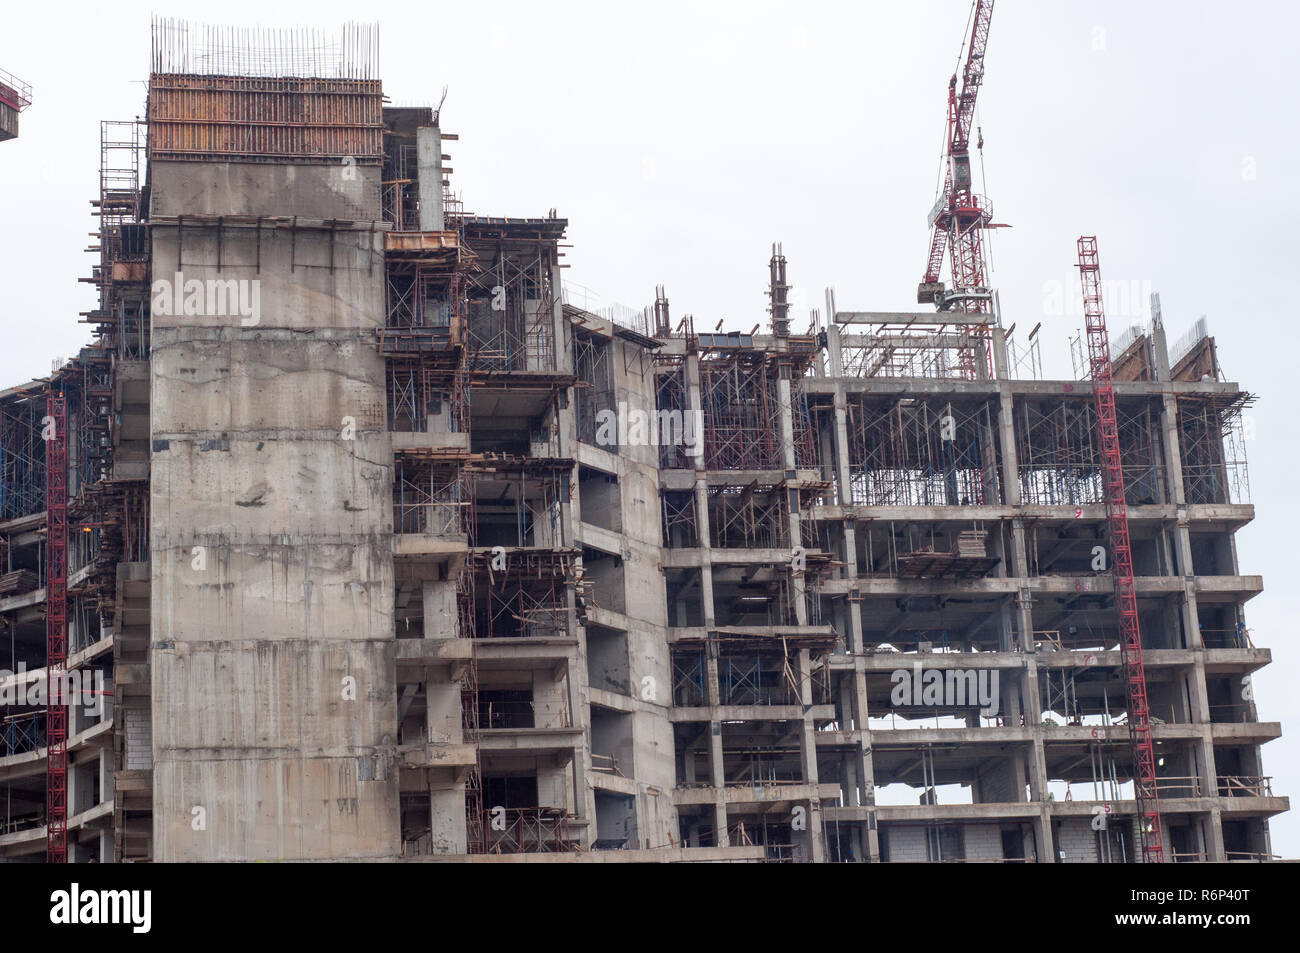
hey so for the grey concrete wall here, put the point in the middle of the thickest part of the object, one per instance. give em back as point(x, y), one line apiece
point(644, 610)
point(320, 190)
point(274, 702)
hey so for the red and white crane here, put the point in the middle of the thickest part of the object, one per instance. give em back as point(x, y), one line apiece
point(960, 216)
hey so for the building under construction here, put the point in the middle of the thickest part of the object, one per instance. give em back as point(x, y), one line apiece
point(351, 535)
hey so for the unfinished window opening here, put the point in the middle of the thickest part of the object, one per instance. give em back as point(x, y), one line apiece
point(752, 595)
point(516, 824)
point(780, 842)
point(612, 749)
point(936, 625)
point(505, 708)
point(510, 791)
point(684, 593)
point(933, 550)
point(679, 523)
point(941, 695)
point(670, 398)
point(1221, 627)
point(601, 499)
point(1238, 772)
point(400, 188)
point(761, 754)
point(756, 677)
point(695, 827)
point(604, 571)
point(691, 746)
point(749, 517)
point(519, 505)
point(514, 422)
point(1227, 706)
point(416, 822)
point(1212, 554)
point(1085, 621)
point(615, 822)
point(607, 659)
point(527, 599)
point(690, 684)
point(431, 497)
point(594, 401)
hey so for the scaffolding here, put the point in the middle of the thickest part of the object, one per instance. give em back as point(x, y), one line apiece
point(680, 524)
point(531, 830)
point(1213, 449)
point(519, 500)
point(594, 397)
point(528, 598)
point(748, 517)
point(914, 451)
point(56, 630)
point(932, 353)
point(510, 316)
point(22, 458)
point(121, 318)
point(476, 837)
point(671, 399)
point(431, 495)
point(741, 406)
point(1060, 461)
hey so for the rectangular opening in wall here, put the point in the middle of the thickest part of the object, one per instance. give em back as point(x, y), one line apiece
point(611, 742)
point(615, 822)
point(685, 597)
point(605, 573)
point(601, 500)
point(607, 659)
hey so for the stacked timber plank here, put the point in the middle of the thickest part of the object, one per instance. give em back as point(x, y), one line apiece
point(17, 582)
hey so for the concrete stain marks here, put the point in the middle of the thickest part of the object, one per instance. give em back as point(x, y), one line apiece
point(254, 496)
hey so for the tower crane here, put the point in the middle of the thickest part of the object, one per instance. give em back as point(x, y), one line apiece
point(960, 215)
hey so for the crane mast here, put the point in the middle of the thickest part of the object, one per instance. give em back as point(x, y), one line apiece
point(959, 217)
point(1121, 556)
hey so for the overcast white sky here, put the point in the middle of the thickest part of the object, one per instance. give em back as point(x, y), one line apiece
point(682, 139)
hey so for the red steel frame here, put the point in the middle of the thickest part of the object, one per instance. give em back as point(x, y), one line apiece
point(963, 215)
point(14, 93)
point(1139, 712)
point(56, 629)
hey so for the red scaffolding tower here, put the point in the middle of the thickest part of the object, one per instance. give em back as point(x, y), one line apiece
point(1135, 683)
point(56, 628)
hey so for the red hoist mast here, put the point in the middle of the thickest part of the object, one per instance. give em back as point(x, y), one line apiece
point(1121, 557)
point(56, 628)
point(959, 217)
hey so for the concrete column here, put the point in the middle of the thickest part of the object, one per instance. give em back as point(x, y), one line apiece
point(1159, 348)
point(1000, 363)
point(834, 353)
point(1007, 435)
point(428, 157)
point(1213, 838)
point(786, 414)
point(844, 488)
point(808, 757)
